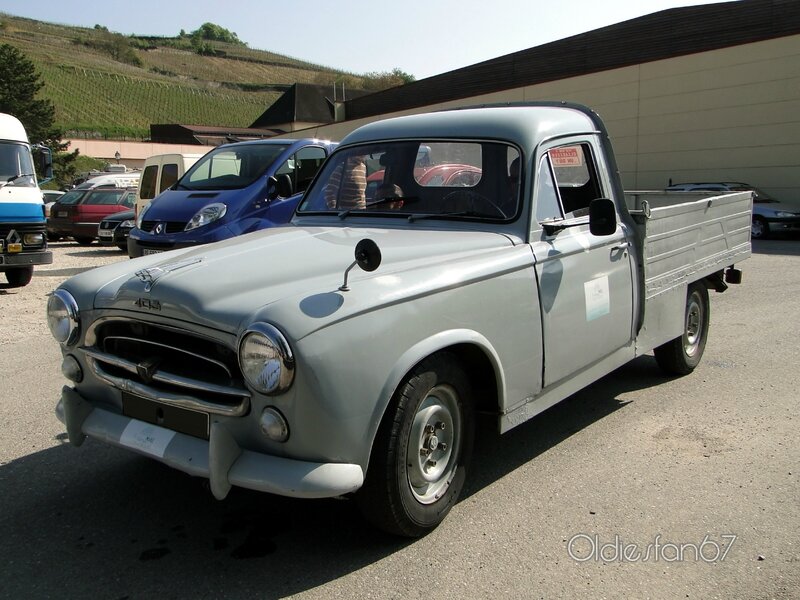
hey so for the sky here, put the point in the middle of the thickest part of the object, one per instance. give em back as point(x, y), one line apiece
point(360, 36)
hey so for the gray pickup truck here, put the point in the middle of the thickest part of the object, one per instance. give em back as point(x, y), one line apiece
point(349, 351)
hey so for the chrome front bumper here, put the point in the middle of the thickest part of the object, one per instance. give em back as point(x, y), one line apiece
point(220, 459)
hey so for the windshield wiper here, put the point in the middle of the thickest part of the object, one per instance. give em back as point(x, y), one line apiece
point(15, 177)
point(343, 214)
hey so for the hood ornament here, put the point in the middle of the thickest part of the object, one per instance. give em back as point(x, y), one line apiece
point(152, 274)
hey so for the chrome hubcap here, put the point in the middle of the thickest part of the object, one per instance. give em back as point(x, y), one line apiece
point(433, 444)
point(694, 320)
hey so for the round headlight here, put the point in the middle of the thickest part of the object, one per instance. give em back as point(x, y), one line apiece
point(63, 317)
point(266, 359)
point(207, 214)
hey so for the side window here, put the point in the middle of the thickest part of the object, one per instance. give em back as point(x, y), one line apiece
point(308, 161)
point(169, 175)
point(548, 206)
point(576, 178)
point(148, 187)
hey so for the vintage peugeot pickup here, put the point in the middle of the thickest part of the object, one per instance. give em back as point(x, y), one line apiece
point(515, 275)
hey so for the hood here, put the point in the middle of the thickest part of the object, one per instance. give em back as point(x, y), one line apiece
point(291, 275)
point(770, 208)
point(181, 205)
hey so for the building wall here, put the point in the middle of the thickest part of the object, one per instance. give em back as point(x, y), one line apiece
point(726, 115)
point(132, 154)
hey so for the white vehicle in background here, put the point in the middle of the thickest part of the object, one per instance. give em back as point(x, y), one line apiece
point(120, 180)
point(23, 242)
point(160, 172)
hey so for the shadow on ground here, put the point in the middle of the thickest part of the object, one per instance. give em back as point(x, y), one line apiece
point(100, 521)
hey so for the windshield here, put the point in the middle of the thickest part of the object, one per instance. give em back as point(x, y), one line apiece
point(16, 165)
point(231, 167)
point(759, 197)
point(72, 197)
point(419, 179)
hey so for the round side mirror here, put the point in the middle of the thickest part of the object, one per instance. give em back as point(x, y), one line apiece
point(368, 255)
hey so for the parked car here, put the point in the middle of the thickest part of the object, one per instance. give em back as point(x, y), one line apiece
point(114, 229)
point(118, 180)
point(161, 171)
point(78, 213)
point(447, 175)
point(49, 197)
point(234, 189)
point(769, 215)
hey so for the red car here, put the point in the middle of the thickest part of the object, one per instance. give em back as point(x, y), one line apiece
point(444, 175)
point(78, 213)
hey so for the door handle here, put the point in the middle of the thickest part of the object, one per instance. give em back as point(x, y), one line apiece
point(622, 246)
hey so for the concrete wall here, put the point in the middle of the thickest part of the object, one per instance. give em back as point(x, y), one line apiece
point(725, 115)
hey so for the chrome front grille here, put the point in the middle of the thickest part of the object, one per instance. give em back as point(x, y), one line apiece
point(168, 365)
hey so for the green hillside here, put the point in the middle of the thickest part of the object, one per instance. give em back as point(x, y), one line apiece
point(108, 85)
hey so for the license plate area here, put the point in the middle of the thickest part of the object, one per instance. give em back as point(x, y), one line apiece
point(148, 251)
point(182, 420)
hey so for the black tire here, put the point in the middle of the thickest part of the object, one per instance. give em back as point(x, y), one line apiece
point(19, 277)
point(84, 241)
point(681, 355)
point(123, 247)
point(759, 228)
point(53, 237)
point(421, 454)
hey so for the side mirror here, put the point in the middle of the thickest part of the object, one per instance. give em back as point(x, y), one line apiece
point(368, 257)
point(272, 188)
point(44, 162)
point(602, 217)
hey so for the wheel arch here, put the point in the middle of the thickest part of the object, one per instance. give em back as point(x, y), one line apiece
point(475, 353)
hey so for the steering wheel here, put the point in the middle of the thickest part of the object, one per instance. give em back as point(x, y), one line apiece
point(470, 202)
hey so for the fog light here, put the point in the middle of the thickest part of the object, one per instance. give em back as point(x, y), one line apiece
point(71, 369)
point(273, 425)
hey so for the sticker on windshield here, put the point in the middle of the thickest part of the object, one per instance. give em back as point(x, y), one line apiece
point(597, 298)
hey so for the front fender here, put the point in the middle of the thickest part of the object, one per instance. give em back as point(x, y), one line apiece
point(425, 348)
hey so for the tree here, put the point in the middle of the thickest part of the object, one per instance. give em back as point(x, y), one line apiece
point(386, 79)
point(19, 84)
point(215, 33)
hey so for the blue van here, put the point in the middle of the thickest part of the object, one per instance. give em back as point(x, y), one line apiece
point(234, 189)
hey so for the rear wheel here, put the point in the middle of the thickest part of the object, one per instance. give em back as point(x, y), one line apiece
point(681, 355)
point(421, 454)
point(19, 277)
point(85, 241)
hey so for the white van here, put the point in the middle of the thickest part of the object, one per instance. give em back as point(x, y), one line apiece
point(120, 180)
point(160, 172)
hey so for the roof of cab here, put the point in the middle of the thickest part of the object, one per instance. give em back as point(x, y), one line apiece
point(524, 124)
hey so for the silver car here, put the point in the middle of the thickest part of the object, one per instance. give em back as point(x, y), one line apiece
point(769, 215)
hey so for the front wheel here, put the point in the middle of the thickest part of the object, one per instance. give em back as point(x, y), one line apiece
point(421, 454)
point(759, 228)
point(681, 355)
point(84, 241)
point(19, 277)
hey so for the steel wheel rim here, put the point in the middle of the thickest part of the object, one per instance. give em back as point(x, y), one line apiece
point(694, 328)
point(756, 228)
point(433, 445)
